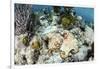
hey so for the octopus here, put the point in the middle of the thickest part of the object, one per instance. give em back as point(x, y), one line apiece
point(54, 43)
point(69, 45)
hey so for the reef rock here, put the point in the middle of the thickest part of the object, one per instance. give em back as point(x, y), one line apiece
point(79, 35)
point(82, 54)
point(32, 55)
point(43, 20)
point(19, 50)
point(55, 58)
point(20, 58)
point(79, 18)
point(55, 20)
point(89, 36)
point(50, 29)
point(42, 59)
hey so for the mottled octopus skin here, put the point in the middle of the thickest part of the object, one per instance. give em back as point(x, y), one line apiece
point(69, 43)
point(55, 41)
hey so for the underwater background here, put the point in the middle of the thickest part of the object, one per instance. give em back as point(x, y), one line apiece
point(47, 34)
point(86, 13)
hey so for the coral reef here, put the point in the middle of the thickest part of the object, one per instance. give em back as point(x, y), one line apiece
point(56, 36)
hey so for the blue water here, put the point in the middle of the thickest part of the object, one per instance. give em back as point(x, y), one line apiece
point(86, 13)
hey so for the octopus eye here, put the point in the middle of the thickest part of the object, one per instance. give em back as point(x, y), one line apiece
point(65, 35)
point(32, 43)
